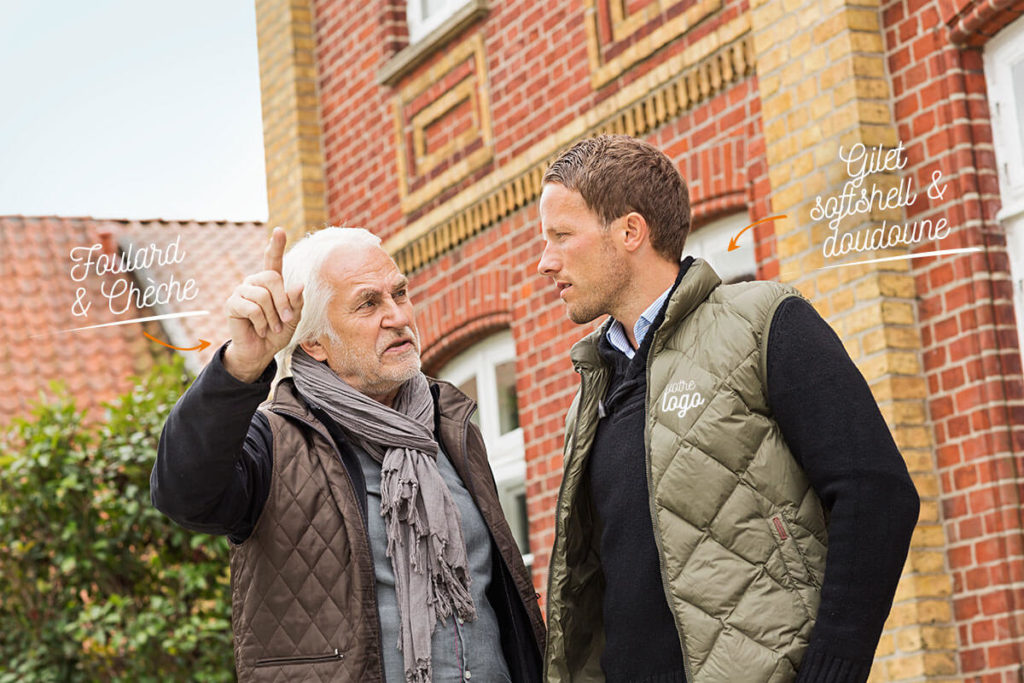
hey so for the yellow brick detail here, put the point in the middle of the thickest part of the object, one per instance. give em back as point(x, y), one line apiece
point(862, 20)
point(902, 668)
point(920, 612)
point(874, 112)
point(291, 121)
point(927, 485)
point(940, 663)
point(898, 313)
point(929, 508)
point(886, 646)
point(833, 89)
point(926, 560)
point(873, 67)
point(828, 28)
point(866, 42)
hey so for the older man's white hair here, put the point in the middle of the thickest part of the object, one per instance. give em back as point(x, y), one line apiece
point(304, 263)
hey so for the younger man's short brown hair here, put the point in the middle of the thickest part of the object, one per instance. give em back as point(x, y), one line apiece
point(616, 174)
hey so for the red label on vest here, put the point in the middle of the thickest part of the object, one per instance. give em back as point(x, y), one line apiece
point(780, 528)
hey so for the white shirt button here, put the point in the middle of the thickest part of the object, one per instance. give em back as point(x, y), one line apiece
point(468, 675)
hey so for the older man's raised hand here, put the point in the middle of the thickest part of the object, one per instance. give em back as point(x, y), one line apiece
point(262, 316)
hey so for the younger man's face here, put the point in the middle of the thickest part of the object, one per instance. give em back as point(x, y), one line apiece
point(580, 255)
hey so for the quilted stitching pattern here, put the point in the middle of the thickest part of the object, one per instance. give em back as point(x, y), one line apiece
point(720, 473)
point(295, 591)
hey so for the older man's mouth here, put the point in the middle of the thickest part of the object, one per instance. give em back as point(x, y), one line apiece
point(400, 346)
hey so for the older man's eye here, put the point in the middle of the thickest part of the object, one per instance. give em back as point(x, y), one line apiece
point(401, 294)
point(367, 304)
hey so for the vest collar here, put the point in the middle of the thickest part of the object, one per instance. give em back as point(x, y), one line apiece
point(286, 399)
point(697, 284)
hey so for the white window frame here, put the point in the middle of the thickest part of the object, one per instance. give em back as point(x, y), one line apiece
point(420, 26)
point(505, 452)
point(1001, 53)
point(711, 243)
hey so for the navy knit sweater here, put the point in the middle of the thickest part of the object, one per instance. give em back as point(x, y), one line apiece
point(831, 423)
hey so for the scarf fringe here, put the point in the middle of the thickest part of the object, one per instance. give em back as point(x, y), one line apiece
point(420, 674)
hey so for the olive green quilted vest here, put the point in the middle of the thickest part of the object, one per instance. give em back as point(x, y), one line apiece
point(741, 534)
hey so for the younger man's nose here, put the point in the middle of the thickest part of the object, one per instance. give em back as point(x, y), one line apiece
point(547, 265)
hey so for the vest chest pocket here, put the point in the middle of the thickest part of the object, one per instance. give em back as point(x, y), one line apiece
point(793, 557)
point(300, 659)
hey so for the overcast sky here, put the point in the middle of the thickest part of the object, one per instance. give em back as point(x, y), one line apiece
point(131, 109)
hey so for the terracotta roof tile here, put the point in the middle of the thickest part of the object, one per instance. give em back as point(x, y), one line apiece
point(95, 364)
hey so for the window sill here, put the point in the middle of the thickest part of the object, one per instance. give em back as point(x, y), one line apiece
point(416, 53)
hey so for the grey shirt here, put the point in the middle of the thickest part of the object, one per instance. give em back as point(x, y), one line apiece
point(459, 651)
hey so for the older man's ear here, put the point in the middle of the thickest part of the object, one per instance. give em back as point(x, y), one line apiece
point(315, 350)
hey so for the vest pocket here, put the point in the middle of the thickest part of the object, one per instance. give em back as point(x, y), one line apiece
point(793, 556)
point(300, 659)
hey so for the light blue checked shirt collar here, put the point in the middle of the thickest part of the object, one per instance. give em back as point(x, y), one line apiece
point(616, 333)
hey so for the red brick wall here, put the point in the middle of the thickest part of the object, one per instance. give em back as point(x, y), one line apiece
point(538, 75)
point(971, 350)
point(539, 82)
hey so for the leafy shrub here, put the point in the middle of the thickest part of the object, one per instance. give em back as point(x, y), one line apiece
point(95, 584)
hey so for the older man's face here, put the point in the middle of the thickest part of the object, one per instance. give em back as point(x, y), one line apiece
point(376, 346)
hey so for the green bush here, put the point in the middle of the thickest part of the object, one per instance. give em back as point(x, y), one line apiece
point(95, 584)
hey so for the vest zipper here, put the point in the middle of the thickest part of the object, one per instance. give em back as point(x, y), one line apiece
point(558, 504)
point(366, 536)
point(305, 659)
point(654, 521)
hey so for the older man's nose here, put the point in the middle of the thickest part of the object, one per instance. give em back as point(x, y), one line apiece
point(395, 315)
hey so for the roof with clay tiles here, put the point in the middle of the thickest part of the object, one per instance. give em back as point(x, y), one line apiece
point(39, 297)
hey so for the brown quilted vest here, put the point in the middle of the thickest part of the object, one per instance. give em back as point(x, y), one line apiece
point(303, 594)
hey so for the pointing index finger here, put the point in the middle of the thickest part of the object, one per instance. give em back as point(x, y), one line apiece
point(274, 254)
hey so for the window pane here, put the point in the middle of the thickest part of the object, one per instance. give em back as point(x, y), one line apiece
point(523, 531)
point(512, 495)
point(1017, 75)
point(469, 389)
point(508, 406)
point(431, 7)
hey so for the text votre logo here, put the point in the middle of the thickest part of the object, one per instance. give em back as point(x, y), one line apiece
point(679, 397)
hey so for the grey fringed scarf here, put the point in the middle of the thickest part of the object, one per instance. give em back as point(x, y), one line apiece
point(424, 527)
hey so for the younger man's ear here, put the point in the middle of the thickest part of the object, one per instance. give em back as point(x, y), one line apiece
point(636, 230)
point(315, 350)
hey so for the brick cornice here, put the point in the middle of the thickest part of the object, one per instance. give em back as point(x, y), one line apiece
point(709, 66)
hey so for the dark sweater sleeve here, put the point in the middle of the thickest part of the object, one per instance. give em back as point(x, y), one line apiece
point(832, 424)
point(214, 460)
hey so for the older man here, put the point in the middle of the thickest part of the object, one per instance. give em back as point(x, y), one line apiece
point(368, 540)
point(734, 508)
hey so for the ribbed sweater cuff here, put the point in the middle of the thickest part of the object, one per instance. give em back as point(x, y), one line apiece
point(822, 667)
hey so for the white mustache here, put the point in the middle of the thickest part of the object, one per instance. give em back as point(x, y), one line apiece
point(406, 334)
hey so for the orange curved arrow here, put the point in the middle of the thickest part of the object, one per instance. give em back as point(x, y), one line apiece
point(732, 242)
point(202, 344)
